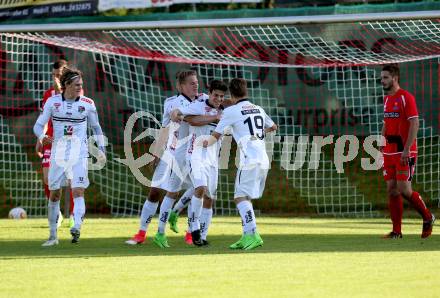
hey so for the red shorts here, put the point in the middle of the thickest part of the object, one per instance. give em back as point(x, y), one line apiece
point(46, 156)
point(394, 170)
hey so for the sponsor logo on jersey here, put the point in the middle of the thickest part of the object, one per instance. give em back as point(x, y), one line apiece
point(88, 100)
point(68, 130)
point(391, 115)
point(251, 111)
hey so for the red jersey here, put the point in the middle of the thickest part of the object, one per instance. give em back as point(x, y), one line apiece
point(49, 93)
point(399, 108)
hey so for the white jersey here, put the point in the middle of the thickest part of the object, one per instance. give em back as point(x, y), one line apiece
point(209, 155)
point(70, 119)
point(178, 133)
point(248, 122)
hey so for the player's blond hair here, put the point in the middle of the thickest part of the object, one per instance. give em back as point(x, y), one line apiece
point(183, 74)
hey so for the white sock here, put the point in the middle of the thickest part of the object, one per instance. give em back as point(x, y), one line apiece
point(184, 200)
point(205, 221)
point(164, 213)
point(248, 217)
point(79, 209)
point(148, 211)
point(52, 216)
point(196, 210)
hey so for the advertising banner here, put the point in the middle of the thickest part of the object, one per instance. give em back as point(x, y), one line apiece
point(20, 9)
point(111, 4)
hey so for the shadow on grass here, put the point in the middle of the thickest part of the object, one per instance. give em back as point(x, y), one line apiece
point(273, 243)
point(328, 223)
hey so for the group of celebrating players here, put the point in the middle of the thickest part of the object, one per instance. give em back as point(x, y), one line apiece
point(186, 155)
point(187, 151)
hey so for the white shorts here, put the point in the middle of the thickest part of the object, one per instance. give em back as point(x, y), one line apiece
point(76, 173)
point(250, 182)
point(206, 175)
point(166, 178)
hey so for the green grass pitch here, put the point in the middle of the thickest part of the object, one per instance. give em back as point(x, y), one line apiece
point(301, 257)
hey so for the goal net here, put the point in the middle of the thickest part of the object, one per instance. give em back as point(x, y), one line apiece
point(317, 81)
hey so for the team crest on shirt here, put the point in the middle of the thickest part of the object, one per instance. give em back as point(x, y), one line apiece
point(57, 106)
point(81, 109)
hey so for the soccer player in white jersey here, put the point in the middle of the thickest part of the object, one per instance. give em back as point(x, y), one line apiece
point(70, 113)
point(249, 123)
point(203, 162)
point(171, 171)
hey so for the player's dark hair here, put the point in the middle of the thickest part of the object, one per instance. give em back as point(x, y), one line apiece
point(217, 85)
point(69, 75)
point(238, 88)
point(183, 74)
point(393, 69)
point(59, 63)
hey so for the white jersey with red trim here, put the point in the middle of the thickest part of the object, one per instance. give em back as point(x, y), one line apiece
point(178, 132)
point(70, 119)
point(209, 155)
point(248, 122)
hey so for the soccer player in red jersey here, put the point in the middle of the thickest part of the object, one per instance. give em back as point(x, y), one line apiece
point(43, 151)
point(401, 123)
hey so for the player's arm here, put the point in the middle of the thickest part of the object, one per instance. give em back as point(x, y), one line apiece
point(274, 127)
point(193, 115)
point(40, 125)
point(226, 121)
point(211, 139)
point(269, 125)
point(98, 134)
point(176, 115)
point(413, 119)
point(382, 132)
point(412, 135)
point(200, 120)
point(39, 144)
point(158, 146)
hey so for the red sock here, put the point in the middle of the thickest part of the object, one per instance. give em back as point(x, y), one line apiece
point(418, 204)
point(71, 203)
point(395, 204)
point(46, 191)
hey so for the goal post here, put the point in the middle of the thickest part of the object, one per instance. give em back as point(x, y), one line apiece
point(318, 77)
